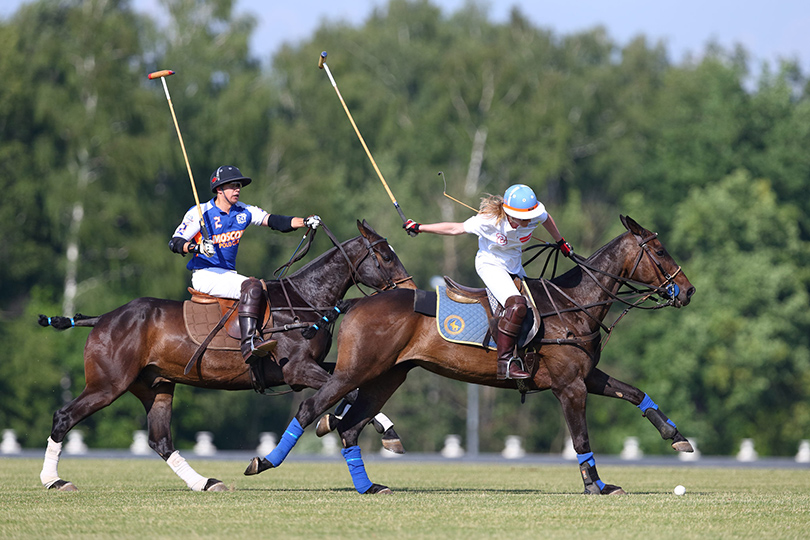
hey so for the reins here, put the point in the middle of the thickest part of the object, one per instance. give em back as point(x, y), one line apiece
point(641, 291)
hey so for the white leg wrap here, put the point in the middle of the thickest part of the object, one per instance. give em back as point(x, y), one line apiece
point(49, 473)
point(384, 421)
point(182, 469)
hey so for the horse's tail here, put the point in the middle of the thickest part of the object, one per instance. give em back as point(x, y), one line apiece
point(63, 323)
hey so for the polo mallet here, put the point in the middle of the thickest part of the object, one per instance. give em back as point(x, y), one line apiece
point(162, 76)
point(467, 205)
point(322, 65)
point(453, 198)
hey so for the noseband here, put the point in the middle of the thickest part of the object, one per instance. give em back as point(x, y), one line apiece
point(668, 288)
point(390, 283)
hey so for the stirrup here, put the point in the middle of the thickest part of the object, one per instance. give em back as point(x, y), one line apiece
point(507, 374)
point(262, 348)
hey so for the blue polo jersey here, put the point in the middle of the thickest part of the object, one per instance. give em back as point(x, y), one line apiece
point(225, 228)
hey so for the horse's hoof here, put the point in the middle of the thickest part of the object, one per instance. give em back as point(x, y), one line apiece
point(610, 489)
point(63, 485)
point(257, 465)
point(215, 485)
point(393, 445)
point(377, 489)
point(326, 424)
point(681, 444)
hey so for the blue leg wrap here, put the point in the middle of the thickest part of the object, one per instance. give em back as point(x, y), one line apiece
point(647, 403)
point(588, 459)
point(356, 468)
point(288, 440)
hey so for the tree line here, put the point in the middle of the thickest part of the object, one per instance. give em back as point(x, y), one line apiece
point(709, 152)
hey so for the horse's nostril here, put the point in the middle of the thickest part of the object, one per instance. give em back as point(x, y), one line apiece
point(690, 292)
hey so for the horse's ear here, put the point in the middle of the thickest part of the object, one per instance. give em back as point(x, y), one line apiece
point(632, 226)
point(365, 229)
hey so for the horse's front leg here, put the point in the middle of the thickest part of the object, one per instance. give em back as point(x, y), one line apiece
point(600, 383)
point(329, 394)
point(157, 401)
point(382, 424)
point(572, 398)
point(370, 399)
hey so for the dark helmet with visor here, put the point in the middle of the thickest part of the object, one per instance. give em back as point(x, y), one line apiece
point(225, 175)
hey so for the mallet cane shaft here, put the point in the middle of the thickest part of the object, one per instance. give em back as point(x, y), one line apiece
point(322, 65)
point(162, 76)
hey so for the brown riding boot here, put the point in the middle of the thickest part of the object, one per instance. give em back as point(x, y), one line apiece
point(510, 366)
point(251, 311)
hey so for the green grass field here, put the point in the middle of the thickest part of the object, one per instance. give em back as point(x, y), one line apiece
point(144, 499)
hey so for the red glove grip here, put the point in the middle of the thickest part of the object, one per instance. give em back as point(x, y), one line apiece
point(565, 247)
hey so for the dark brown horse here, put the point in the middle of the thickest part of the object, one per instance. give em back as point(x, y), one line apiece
point(143, 348)
point(572, 306)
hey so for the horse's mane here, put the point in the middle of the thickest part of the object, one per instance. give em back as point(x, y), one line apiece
point(572, 277)
point(316, 262)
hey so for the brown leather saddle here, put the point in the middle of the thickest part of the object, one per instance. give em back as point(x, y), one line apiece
point(203, 313)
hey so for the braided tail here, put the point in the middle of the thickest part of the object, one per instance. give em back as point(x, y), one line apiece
point(63, 323)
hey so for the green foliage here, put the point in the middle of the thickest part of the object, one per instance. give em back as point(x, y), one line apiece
point(716, 165)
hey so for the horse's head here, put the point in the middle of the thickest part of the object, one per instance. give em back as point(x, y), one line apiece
point(655, 267)
point(378, 266)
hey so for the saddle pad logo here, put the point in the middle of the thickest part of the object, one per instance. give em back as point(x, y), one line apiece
point(454, 325)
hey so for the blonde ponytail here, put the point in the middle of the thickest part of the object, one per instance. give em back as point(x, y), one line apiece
point(492, 206)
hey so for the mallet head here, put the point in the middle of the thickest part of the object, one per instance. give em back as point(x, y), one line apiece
point(161, 73)
point(321, 59)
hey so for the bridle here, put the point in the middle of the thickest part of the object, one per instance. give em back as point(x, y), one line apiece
point(371, 251)
point(640, 291)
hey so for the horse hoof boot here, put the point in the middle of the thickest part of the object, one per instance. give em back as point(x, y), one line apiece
point(257, 465)
point(377, 489)
point(63, 485)
point(326, 424)
point(215, 485)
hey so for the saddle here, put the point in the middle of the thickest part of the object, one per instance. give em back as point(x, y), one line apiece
point(203, 313)
point(492, 308)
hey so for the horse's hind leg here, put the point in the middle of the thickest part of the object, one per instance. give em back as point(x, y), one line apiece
point(572, 398)
point(600, 383)
point(93, 398)
point(157, 400)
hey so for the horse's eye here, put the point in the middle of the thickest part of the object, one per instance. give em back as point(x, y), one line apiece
point(660, 252)
point(386, 257)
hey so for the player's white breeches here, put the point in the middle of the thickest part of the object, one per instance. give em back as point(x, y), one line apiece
point(218, 282)
point(497, 280)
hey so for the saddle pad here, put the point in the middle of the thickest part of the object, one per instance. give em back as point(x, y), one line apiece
point(200, 319)
point(461, 323)
point(468, 324)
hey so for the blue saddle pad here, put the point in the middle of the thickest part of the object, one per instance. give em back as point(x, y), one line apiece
point(467, 323)
point(461, 323)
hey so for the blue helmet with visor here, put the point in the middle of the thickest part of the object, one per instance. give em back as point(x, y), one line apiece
point(519, 201)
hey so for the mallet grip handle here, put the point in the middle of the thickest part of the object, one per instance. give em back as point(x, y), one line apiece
point(321, 60)
point(161, 73)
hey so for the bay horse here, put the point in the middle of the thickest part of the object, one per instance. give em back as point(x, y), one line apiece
point(382, 338)
point(143, 347)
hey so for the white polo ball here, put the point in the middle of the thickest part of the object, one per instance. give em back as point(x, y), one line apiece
point(679, 490)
